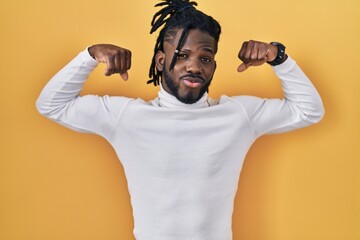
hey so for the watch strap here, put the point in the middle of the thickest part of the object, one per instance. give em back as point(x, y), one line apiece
point(280, 57)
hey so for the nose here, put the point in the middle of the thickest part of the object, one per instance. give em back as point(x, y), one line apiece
point(193, 66)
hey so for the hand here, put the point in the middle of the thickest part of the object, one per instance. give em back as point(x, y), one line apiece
point(117, 59)
point(255, 53)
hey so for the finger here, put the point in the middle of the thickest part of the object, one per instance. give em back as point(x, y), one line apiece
point(243, 67)
point(128, 59)
point(242, 50)
point(123, 70)
point(110, 65)
point(124, 76)
point(122, 59)
point(117, 62)
point(254, 51)
point(263, 52)
point(249, 49)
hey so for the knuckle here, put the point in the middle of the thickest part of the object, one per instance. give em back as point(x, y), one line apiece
point(117, 52)
point(111, 57)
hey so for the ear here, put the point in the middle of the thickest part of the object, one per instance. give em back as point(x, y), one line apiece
point(160, 60)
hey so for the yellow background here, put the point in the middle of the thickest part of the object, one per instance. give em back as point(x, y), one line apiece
point(57, 184)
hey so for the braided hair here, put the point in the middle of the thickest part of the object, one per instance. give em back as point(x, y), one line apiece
point(178, 15)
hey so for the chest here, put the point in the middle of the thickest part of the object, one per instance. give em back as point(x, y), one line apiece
point(189, 143)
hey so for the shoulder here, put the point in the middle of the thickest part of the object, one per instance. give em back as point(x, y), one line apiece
point(241, 99)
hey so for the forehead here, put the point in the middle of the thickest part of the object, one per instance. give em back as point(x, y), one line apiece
point(194, 40)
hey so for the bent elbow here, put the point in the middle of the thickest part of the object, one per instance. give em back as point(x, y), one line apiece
point(321, 114)
point(40, 107)
point(316, 115)
point(43, 108)
point(320, 109)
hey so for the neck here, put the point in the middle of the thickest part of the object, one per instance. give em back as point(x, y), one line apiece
point(168, 100)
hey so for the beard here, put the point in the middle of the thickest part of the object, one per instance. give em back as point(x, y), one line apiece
point(189, 98)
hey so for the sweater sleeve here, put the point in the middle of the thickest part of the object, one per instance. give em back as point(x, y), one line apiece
point(60, 100)
point(300, 107)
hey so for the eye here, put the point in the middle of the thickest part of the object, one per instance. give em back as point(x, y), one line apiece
point(206, 59)
point(182, 56)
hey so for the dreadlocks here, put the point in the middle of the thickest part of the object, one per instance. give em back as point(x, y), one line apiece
point(177, 15)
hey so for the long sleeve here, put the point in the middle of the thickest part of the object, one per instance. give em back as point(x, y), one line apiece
point(60, 100)
point(300, 107)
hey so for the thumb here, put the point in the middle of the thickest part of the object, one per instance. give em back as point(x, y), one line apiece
point(243, 67)
point(124, 76)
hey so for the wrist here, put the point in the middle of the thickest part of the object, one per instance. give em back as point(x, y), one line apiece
point(280, 56)
point(91, 52)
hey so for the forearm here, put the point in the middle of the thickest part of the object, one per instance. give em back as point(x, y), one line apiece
point(299, 92)
point(66, 85)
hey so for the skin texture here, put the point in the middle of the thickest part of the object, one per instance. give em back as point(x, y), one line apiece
point(117, 59)
point(194, 67)
point(255, 53)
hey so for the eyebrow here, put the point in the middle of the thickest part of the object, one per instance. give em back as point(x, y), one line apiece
point(205, 48)
point(209, 49)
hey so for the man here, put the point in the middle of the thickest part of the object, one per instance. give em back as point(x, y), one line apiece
point(182, 152)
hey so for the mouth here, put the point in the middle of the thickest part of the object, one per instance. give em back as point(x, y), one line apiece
point(192, 82)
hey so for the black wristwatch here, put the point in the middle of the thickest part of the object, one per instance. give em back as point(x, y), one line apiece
point(280, 57)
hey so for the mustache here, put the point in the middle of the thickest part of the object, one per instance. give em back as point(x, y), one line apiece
point(193, 77)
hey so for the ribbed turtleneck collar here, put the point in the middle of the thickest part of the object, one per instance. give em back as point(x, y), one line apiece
point(167, 100)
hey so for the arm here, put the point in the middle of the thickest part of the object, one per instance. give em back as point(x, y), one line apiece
point(60, 100)
point(301, 105)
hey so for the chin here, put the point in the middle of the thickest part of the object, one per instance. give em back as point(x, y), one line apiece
point(189, 97)
point(181, 92)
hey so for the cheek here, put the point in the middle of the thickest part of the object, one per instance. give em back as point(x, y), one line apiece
point(175, 72)
point(210, 72)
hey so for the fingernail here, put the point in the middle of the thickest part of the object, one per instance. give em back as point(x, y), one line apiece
point(124, 76)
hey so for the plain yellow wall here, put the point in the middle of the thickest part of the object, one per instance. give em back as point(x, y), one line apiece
point(57, 184)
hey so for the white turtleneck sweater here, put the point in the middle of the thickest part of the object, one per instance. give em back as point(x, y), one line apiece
point(182, 162)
